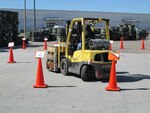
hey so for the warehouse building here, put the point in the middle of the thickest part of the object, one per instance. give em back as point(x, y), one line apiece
point(47, 18)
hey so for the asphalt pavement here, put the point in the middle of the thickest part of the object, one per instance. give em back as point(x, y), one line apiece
point(69, 94)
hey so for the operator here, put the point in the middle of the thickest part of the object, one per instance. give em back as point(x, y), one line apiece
point(79, 46)
point(88, 35)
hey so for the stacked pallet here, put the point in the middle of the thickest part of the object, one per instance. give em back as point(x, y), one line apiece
point(8, 27)
point(54, 55)
point(52, 61)
point(128, 32)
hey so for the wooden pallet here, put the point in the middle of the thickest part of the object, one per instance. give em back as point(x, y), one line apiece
point(53, 57)
point(50, 65)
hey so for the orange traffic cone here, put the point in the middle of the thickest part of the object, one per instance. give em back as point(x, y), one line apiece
point(40, 78)
point(113, 80)
point(11, 57)
point(121, 43)
point(143, 45)
point(45, 45)
point(23, 44)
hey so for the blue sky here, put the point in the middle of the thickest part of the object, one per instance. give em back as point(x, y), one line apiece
point(129, 6)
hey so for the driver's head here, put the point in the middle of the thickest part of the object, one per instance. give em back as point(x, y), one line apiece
point(88, 27)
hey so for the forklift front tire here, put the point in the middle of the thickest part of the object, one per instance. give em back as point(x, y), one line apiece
point(84, 73)
point(64, 66)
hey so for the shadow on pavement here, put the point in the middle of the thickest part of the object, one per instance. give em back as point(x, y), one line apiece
point(34, 45)
point(132, 77)
point(91, 79)
point(60, 86)
point(121, 77)
point(136, 89)
point(23, 62)
point(122, 72)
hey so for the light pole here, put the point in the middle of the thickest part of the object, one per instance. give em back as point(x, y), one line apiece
point(34, 21)
point(25, 18)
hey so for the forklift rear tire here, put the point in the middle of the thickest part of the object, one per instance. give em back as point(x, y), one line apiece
point(84, 73)
point(64, 66)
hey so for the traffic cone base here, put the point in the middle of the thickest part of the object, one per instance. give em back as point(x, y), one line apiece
point(40, 86)
point(11, 62)
point(113, 89)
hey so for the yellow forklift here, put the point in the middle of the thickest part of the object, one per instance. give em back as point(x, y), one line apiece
point(84, 52)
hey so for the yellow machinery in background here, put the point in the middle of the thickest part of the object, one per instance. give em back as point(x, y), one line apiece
point(84, 51)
